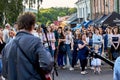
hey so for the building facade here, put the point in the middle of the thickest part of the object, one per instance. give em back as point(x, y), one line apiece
point(117, 6)
point(100, 7)
point(91, 9)
point(83, 10)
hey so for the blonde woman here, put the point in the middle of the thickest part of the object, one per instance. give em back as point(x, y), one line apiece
point(51, 40)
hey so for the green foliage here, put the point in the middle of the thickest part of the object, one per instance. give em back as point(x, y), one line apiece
point(47, 16)
point(10, 9)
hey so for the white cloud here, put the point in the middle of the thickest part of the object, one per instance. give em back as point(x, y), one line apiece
point(58, 3)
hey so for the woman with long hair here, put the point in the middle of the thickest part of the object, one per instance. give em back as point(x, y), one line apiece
point(115, 43)
point(61, 47)
point(83, 52)
point(40, 33)
point(107, 42)
point(97, 39)
point(69, 47)
point(51, 41)
point(77, 36)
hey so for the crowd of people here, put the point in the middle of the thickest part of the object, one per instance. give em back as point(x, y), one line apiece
point(63, 43)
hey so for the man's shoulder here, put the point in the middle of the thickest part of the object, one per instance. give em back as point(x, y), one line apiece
point(26, 35)
point(118, 60)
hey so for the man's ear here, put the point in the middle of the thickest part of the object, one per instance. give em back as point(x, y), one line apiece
point(32, 28)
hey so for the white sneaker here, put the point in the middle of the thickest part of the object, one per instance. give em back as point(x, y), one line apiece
point(71, 69)
point(92, 68)
point(64, 67)
point(84, 72)
point(86, 68)
point(77, 66)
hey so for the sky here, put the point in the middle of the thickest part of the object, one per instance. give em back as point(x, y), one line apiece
point(58, 3)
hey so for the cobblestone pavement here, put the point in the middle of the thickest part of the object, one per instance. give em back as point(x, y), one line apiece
point(106, 74)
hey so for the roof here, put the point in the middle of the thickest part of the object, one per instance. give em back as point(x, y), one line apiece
point(72, 18)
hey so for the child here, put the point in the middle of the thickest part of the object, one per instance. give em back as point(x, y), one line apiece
point(96, 62)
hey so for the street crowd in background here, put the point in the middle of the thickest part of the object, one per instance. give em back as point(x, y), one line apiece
point(74, 45)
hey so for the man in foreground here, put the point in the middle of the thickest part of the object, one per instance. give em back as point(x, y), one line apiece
point(27, 58)
point(116, 75)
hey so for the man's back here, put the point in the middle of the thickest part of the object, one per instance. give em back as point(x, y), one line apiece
point(19, 67)
point(117, 69)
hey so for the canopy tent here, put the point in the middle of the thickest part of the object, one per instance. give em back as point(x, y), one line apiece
point(112, 19)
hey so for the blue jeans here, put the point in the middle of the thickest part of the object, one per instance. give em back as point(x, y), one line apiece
point(74, 58)
point(60, 59)
point(51, 52)
point(0, 66)
point(69, 53)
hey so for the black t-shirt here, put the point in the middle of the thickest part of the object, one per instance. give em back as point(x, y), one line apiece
point(76, 43)
point(2, 46)
point(56, 37)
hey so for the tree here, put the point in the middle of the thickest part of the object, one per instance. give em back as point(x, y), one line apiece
point(10, 9)
point(32, 3)
point(49, 15)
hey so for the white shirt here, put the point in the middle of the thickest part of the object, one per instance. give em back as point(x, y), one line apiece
point(69, 39)
point(5, 35)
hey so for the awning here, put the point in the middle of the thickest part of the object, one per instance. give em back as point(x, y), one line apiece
point(72, 18)
point(112, 19)
point(78, 25)
point(97, 20)
point(100, 19)
point(87, 23)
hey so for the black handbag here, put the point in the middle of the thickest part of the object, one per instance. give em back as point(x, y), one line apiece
point(62, 48)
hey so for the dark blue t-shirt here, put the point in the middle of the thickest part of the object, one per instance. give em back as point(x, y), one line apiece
point(82, 53)
point(90, 42)
point(76, 44)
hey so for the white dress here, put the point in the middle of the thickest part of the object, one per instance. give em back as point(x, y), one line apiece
point(96, 61)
